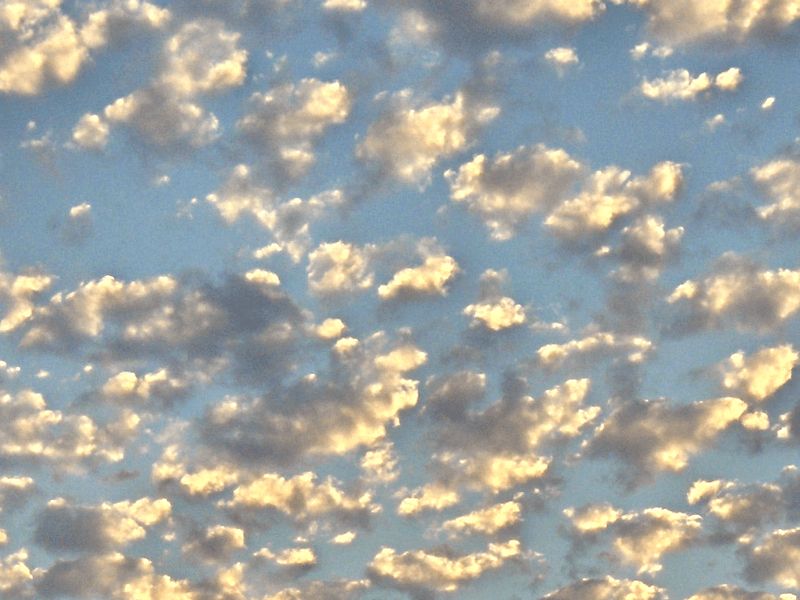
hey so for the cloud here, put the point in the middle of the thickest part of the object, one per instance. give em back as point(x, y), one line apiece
point(62, 527)
point(494, 311)
point(324, 590)
point(634, 348)
point(641, 538)
point(201, 58)
point(778, 181)
point(291, 557)
point(422, 571)
point(428, 497)
point(216, 544)
point(301, 498)
point(506, 190)
point(775, 559)
point(759, 375)
point(732, 592)
point(609, 194)
point(43, 46)
point(380, 464)
point(339, 268)
point(113, 576)
point(428, 279)
point(514, 431)
point(344, 5)
point(351, 407)
point(743, 508)
point(652, 436)
point(288, 221)
point(646, 248)
point(687, 22)
point(287, 120)
point(561, 58)
point(680, 84)
point(410, 137)
point(15, 576)
point(608, 588)
point(32, 433)
point(18, 292)
point(487, 521)
point(738, 293)
point(163, 385)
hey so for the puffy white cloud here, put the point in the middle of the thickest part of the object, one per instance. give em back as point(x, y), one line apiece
point(113, 576)
point(216, 543)
point(15, 575)
point(487, 520)
point(91, 132)
point(610, 194)
point(561, 58)
point(380, 464)
point(339, 267)
point(289, 221)
point(506, 190)
point(18, 293)
point(779, 181)
point(494, 311)
point(768, 103)
point(64, 527)
point(639, 538)
point(645, 249)
point(514, 431)
point(635, 348)
point(608, 588)
point(428, 279)
point(654, 436)
point(324, 590)
point(344, 5)
point(759, 375)
point(42, 45)
point(680, 84)
point(776, 558)
point(291, 557)
point(421, 570)
point(31, 432)
point(287, 120)
point(161, 384)
point(407, 141)
point(740, 293)
point(732, 592)
point(429, 497)
point(300, 497)
point(686, 22)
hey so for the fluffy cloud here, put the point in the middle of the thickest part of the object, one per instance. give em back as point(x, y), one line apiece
point(561, 58)
point(416, 570)
point(608, 588)
point(31, 432)
point(639, 538)
point(732, 592)
point(514, 430)
point(494, 311)
point(161, 385)
point(742, 508)
point(216, 543)
point(287, 120)
point(18, 293)
point(319, 416)
point(15, 575)
point(113, 576)
point(288, 221)
point(42, 45)
point(380, 464)
point(199, 59)
point(324, 590)
point(344, 5)
point(291, 557)
point(759, 375)
point(63, 527)
point(611, 193)
point(776, 559)
point(339, 267)
point(645, 249)
point(654, 436)
point(407, 141)
point(680, 84)
point(506, 190)
point(738, 292)
point(487, 520)
point(300, 498)
point(428, 279)
point(635, 348)
point(779, 181)
point(428, 497)
point(686, 22)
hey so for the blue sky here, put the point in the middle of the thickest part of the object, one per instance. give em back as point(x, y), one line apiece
point(359, 299)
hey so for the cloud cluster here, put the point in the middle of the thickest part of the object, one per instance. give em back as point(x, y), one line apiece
point(680, 84)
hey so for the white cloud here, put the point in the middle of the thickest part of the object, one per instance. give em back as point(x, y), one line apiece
point(418, 569)
point(759, 375)
point(487, 520)
point(776, 558)
point(506, 190)
point(91, 132)
point(338, 268)
point(636, 347)
point(778, 181)
point(561, 58)
point(344, 5)
point(680, 84)
point(608, 588)
point(428, 279)
point(407, 141)
point(428, 497)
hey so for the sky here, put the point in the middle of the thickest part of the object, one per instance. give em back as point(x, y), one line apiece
point(399, 299)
